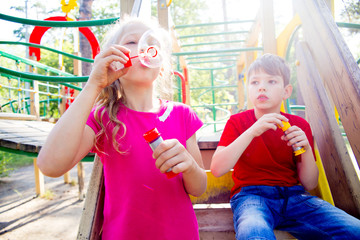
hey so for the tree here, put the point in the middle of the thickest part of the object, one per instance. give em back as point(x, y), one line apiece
point(351, 10)
point(85, 49)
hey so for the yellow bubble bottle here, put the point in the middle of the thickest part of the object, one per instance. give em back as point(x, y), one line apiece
point(297, 150)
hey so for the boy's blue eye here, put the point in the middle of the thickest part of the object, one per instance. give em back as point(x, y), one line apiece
point(272, 81)
point(254, 82)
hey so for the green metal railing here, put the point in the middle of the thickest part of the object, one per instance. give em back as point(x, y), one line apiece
point(213, 57)
point(350, 26)
point(42, 23)
point(49, 49)
point(213, 24)
point(22, 100)
point(213, 63)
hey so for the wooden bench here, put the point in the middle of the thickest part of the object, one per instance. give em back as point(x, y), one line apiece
point(212, 209)
point(24, 134)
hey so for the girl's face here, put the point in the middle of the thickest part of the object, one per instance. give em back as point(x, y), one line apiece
point(137, 73)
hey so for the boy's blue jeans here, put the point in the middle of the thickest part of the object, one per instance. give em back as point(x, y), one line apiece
point(259, 209)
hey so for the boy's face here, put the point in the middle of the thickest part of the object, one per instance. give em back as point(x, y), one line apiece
point(267, 92)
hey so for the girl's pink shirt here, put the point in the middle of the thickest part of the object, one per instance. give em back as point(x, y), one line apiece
point(140, 201)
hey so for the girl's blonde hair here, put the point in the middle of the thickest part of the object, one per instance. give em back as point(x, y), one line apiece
point(111, 96)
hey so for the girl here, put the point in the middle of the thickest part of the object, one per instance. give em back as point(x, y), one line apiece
point(140, 201)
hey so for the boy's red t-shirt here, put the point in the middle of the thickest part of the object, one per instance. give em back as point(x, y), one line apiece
point(267, 160)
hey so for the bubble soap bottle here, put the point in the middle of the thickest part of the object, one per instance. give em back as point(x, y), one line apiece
point(153, 138)
point(297, 150)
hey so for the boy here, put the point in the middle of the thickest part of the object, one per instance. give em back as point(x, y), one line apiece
point(266, 192)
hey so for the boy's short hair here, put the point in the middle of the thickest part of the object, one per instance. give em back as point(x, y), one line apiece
point(272, 65)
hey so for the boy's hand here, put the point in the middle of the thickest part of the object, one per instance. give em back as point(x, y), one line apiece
point(172, 154)
point(296, 137)
point(266, 122)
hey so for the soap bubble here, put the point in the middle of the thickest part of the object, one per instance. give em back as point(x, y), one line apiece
point(150, 48)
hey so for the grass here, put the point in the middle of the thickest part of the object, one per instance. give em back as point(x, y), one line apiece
point(49, 195)
point(10, 161)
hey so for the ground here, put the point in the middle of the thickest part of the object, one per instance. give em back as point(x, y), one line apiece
point(25, 216)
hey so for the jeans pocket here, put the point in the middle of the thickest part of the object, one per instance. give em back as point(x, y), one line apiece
point(309, 200)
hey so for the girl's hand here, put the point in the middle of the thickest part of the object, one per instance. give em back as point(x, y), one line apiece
point(296, 137)
point(172, 154)
point(102, 74)
point(266, 122)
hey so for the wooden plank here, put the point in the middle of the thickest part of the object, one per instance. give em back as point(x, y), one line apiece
point(91, 220)
point(81, 175)
point(217, 223)
point(335, 63)
point(9, 135)
point(215, 220)
point(268, 26)
point(30, 147)
point(206, 157)
point(342, 177)
point(26, 136)
point(17, 116)
point(126, 7)
point(163, 14)
point(9, 144)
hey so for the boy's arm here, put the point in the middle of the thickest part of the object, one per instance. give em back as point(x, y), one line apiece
point(306, 168)
point(225, 158)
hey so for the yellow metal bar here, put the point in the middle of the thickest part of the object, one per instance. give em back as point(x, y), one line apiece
point(323, 189)
point(284, 37)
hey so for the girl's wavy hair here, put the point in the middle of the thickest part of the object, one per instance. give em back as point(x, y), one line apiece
point(111, 96)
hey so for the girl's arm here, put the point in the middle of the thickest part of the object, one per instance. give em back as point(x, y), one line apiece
point(195, 179)
point(71, 139)
point(172, 154)
point(307, 170)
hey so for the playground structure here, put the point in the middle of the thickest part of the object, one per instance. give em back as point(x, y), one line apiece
point(327, 75)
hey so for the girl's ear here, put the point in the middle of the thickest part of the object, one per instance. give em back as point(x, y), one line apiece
point(287, 91)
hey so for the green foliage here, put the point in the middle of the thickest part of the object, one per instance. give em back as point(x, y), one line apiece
point(211, 96)
point(4, 169)
point(109, 9)
point(9, 162)
point(181, 14)
point(351, 10)
point(38, 7)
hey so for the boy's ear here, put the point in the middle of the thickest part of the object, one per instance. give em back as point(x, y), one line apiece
point(287, 91)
